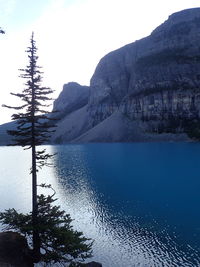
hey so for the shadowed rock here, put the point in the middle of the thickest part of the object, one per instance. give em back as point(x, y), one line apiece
point(145, 91)
point(14, 250)
point(148, 90)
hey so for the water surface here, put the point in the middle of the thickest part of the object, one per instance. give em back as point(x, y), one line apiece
point(139, 201)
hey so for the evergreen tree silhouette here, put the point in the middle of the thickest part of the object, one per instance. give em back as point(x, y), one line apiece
point(48, 226)
point(33, 127)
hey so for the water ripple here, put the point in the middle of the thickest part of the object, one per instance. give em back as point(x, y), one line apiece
point(103, 189)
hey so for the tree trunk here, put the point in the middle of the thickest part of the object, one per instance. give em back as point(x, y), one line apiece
point(36, 238)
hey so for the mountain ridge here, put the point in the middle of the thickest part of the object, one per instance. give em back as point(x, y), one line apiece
point(148, 90)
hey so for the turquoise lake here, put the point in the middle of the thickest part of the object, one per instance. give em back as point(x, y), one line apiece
point(140, 202)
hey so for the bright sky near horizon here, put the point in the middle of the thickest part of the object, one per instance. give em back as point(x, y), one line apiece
point(71, 36)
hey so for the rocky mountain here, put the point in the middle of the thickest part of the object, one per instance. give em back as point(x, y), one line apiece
point(145, 91)
point(6, 139)
point(72, 97)
point(148, 90)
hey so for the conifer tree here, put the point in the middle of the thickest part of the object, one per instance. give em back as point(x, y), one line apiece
point(59, 242)
point(48, 226)
point(33, 127)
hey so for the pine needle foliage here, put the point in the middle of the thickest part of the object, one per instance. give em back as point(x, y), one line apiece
point(34, 126)
point(60, 243)
point(53, 239)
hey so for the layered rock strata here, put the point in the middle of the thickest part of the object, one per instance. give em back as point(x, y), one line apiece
point(148, 90)
point(153, 83)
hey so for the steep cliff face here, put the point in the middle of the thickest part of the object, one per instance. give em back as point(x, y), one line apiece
point(148, 90)
point(152, 77)
point(148, 87)
point(71, 107)
point(73, 97)
point(163, 105)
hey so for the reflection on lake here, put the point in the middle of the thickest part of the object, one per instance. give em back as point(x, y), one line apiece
point(139, 202)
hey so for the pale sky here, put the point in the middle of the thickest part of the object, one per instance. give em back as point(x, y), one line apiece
point(71, 36)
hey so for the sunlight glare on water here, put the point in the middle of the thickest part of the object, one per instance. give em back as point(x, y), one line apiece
point(122, 196)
